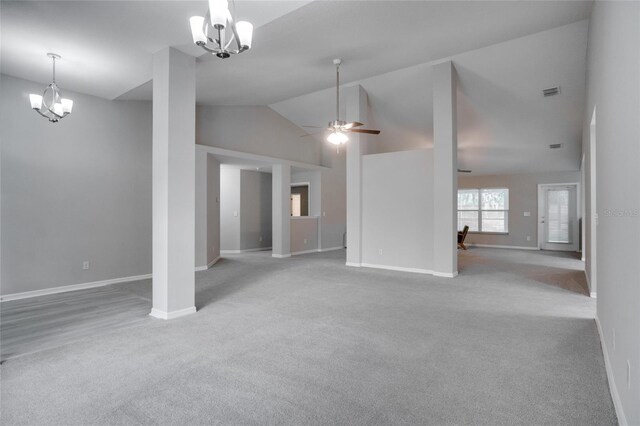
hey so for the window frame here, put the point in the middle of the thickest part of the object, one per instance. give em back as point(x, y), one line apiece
point(480, 210)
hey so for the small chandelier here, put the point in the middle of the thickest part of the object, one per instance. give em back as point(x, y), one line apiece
point(210, 32)
point(51, 105)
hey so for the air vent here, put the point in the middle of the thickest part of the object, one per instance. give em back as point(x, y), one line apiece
point(551, 91)
point(555, 145)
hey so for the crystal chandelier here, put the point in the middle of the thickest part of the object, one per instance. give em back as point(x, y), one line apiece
point(51, 105)
point(210, 32)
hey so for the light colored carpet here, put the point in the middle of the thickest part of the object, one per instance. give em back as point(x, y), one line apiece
point(307, 340)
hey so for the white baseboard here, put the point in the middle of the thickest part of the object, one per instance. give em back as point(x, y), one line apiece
point(617, 402)
point(502, 247)
point(304, 252)
point(397, 268)
point(209, 265)
point(73, 287)
point(445, 274)
point(331, 249)
point(156, 313)
point(244, 250)
point(317, 250)
point(280, 256)
point(353, 264)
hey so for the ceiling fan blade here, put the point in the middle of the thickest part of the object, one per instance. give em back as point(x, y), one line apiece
point(371, 132)
point(352, 125)
point(464, 171)
point(314, 127)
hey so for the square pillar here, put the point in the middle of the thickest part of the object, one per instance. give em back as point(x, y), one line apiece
point(174, 106)
point(281, 211)
point(356, 99)
point(445, 171)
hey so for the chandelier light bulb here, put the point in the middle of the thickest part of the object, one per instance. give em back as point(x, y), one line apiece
point(245, 33)
point(219, 10)
point(36, 101)
point(197, 25)
point(67, 105)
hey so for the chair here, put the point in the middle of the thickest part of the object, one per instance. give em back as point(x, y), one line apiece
point(461, 236)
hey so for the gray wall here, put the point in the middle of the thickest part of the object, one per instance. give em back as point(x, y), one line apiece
point(213, 208)
point(254, 129)
point(207, 208)
point(523, 197)
point(333, 186)
point(397, 209)
point(304, 234)
point(78, 190)
point(613, 89)
point(255, 210)
point(245, 209)
point(229, 208)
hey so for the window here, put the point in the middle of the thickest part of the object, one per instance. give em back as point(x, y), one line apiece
point(484, 210)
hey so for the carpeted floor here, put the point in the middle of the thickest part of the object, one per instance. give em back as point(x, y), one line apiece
point(307, 340)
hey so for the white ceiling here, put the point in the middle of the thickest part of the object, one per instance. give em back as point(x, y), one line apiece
point(107, 49)
point(505, 124)
point(106, 46)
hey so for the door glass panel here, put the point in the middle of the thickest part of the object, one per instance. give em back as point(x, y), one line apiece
point(558, 216)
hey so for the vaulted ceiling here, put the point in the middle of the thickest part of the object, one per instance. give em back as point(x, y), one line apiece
point(504, 52)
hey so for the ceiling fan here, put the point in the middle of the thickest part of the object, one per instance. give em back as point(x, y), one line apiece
point(338, 129)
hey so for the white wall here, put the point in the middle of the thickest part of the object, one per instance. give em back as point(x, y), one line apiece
point(613, 89)
point(255, 210)
point(230, 190)
point(397, 211)
point(523, 197)
point(254, 129)
point(78, 190)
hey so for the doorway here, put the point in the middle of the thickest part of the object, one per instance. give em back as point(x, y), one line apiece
point(558, 217)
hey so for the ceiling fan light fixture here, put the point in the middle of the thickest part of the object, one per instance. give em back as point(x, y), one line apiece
point(337, 138)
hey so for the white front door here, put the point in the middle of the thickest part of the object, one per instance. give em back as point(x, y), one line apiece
point(558, 228)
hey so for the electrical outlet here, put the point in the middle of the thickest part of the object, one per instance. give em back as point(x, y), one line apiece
point(527, 214)
point(305, 241)
point(85, 265)
point(235, 214)
point(260, 239)
point(380, 252)
point(324, 213)
point(528, 238)
point(628, 375)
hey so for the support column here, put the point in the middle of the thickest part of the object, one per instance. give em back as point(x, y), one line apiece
point(281, 211)
point(173, 184)
point(356, 98)
point(445, 171)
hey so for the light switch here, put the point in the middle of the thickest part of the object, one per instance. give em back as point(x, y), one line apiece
point(527, 214)
point(235, 214)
